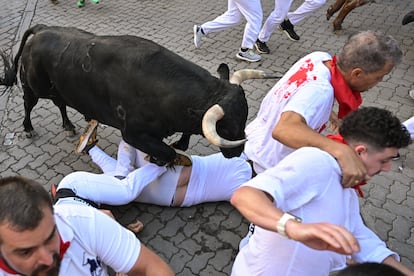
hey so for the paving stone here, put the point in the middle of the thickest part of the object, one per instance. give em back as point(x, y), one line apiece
point(203, 240)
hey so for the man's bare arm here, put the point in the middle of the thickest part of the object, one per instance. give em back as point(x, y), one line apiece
point(150, 264)
point(397, 265)
point(292, 131)
point(257, 207)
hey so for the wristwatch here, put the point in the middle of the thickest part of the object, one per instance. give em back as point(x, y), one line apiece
point(282, 223)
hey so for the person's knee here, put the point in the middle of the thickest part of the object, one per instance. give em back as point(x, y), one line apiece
point(68, 182)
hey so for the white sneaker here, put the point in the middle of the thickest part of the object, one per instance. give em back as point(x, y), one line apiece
point(411, 93)
point(197, 35)
point(249, 55)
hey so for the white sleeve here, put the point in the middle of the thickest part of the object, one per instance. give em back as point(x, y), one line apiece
point(298, 178)
point(373, 249)
point(116, 246)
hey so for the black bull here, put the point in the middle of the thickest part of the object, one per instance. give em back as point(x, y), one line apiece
point(132, 84)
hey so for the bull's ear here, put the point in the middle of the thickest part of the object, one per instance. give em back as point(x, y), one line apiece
point(224, 71)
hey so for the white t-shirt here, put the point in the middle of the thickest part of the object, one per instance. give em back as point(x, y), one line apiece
point(307, 184)
point(305, 89)
point(96, 241)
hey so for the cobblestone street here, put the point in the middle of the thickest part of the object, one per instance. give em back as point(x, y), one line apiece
point(203, 240)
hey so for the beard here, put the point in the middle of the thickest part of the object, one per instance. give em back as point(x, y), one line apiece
point(45, 270)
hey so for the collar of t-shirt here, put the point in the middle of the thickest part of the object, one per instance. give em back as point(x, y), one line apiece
point(348, 100)
point(340, 139)
point(63, 248)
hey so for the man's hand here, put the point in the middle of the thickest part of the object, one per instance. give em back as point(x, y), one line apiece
point(353, 169)
point(323, 236)
point(292, 131)
point(335, 122)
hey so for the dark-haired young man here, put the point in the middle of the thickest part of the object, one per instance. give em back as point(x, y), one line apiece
point(306, 221)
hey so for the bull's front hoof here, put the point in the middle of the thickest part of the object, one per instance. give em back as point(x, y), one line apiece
point(31, 134)
point(182, 159)
point(154, 160)
point(70, 133)
point(329, 13)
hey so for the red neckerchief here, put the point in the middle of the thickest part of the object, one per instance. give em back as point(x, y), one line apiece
point(348, 100)
point(340, 139)
point(63, 248)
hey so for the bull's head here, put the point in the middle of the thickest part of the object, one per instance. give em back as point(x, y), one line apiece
point(223, 124)
point(226, 132)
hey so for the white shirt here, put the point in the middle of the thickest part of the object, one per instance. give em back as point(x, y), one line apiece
point(305, 89)
point(307, 184)
point(96, 240)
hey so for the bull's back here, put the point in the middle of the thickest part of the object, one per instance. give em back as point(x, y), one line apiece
point(97, 75)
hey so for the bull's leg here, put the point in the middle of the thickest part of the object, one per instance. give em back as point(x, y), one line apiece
point(334, 8)
point(30, 100)
point(346, 9)
point(183, 143)
point(160, 153)
point(66, 123)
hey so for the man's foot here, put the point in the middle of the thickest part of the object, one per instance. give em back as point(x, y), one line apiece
point(198, 33)
point(88, 139)
point(248, 55)
point(182, 159)
point(411, 93)
point(81, 3)
point(287, 28)
point(95, 1)
point(261, 47)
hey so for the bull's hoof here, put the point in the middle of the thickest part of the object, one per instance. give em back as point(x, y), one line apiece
point(154, 160)
point(337, 28)
point(182, 159)
point(329, 13)
point(31, 134)
point(339, 32)
point(70, 133)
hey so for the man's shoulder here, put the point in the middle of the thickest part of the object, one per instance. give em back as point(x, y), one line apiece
point(318, 55)
point(311, 157)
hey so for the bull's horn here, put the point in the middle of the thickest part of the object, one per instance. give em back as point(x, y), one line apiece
point(210, 118)
point(244, 74)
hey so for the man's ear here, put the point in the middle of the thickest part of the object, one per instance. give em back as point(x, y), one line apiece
point(356, 73)
point(360, 149)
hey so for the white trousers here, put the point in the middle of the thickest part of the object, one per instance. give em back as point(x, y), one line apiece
point(128, 159)
point(250, 9)
point(213, 178)
point(275, 18)
point(306, 9)
point(107, 189)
